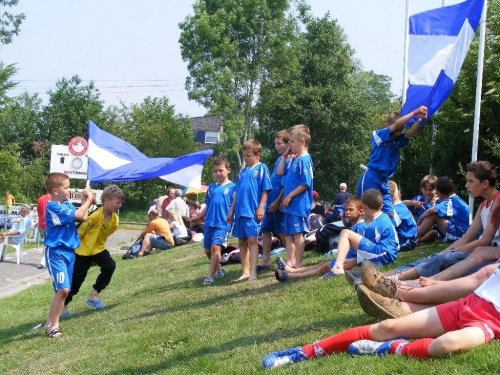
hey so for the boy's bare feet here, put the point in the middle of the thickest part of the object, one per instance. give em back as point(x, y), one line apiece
point(243, 277)
point(252, 278)
point(426, 281)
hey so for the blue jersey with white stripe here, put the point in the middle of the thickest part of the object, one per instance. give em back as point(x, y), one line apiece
point(275, 182)
point(61, 228)
point(300, 173)
point(385, 152)
point(418, 212)
point(218, 201)
point(455, 210)
point(381, 231)
point(251, 183)
point(406, 227)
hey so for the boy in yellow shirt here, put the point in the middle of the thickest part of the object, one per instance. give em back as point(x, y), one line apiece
point(93, 233)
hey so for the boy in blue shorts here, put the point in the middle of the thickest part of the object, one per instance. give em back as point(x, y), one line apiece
point(297, 193)
point(215, 212)
point(426, 200)
point(385, 154)
point(403, 221)
point(273, 222)
point(451, 216)
point(248, 204)
point(353, 214)
point(61, 241)
point(379, 244)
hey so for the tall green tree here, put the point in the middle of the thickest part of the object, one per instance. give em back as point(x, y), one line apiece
point(230, 47)
point(9, 23)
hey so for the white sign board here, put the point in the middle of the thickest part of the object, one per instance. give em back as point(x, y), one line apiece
point(63, 161)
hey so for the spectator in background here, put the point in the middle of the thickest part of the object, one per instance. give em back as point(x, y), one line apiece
point(9, 201)
point(317, 206)
point(336, 211)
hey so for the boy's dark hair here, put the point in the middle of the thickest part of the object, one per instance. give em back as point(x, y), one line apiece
point(283, 134)
point(354, 200)
point(372, 198)
point(220, 160)
point(445, 185)
point(252, 145)
point(54, 180)
point(112, 191)
point(484, 171)
point(428, 179)
point(391, 119)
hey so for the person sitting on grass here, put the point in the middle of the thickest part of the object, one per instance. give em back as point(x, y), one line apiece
point(426, 200)
point(353, 213)
point(178, 228)
point(450, 216)
point(403, 221)
point(453, 327)
point(157, 234)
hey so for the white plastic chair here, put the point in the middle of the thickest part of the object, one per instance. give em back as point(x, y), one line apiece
point(32, 235)
point(18, 247)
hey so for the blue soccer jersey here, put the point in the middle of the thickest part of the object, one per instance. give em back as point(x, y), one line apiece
point(300, 173)
point(251, 183)
point(218, 201)
point(385, 152)
point(418, 212)
point(275, 182)
point(456, 211)
point(60, 225)
point(406, 228)
point(382, 233)
point(358, 228)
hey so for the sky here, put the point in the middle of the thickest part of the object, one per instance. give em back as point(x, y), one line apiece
point(130, 48)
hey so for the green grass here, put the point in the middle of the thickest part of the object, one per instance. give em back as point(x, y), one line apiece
point(161, 320)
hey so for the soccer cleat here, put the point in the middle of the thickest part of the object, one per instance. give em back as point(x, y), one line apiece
point(378, 306)
point(370, 347)
point(285, 357)
point(376, 282)
point(220, 273)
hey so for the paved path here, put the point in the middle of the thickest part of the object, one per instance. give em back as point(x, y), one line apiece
point(14, 277)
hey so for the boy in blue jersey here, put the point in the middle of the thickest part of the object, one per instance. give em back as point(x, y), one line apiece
point(248, 204)
point(426, 200)
point(216, 229)
point(451, 216)
point(385, 154)
point(273, 222)
point(403, 221)
point(60, 243)
point(353, 212)
point(379, 244)
point(297, 193)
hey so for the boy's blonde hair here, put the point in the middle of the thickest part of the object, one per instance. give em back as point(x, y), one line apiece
point(112, 191)
point(355, 201)
point(372, 198)
point(283, 135)
point(301, 132)
point(177, 217)
point(252, 145)
point(54, 180)
point(428, 179)
point(392, 189)
point(220, 160)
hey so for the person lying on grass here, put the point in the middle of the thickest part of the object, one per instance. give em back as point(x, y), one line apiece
point(453, 327)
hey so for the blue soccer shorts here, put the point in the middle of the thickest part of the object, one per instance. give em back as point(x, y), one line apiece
point(273, 223)
point(368, 250)
point(295, 224)
point(214, 236)
point(60, 265)
point(245, 227)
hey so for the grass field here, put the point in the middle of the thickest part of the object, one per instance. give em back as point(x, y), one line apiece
point(161, 320)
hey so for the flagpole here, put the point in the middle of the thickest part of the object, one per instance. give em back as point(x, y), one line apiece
point(479, 86)
point(406, 47)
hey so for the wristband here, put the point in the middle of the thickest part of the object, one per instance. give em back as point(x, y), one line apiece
point(415, 113)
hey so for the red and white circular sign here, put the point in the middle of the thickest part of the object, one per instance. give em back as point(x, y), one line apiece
point(78, 146)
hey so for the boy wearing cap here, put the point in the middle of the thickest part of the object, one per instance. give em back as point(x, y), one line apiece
point(336, 210)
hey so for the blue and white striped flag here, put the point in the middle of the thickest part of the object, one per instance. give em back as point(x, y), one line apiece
point(113, 159)
point(439, 41)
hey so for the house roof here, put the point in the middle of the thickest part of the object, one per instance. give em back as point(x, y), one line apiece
point(209, 124)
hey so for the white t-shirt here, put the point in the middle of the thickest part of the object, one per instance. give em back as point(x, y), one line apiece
point(179, 231)
point(489, 290)
point(179, 205)
point(485, 219)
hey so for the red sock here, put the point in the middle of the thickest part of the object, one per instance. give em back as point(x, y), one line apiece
point(416, 349)
point(337, 343)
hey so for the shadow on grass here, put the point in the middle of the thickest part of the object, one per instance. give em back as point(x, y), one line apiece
point(242, 342)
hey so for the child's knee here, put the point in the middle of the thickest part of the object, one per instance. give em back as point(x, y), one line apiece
point(63, 292)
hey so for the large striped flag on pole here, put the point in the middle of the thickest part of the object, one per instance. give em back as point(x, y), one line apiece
point(113, 159)
point(439, 41)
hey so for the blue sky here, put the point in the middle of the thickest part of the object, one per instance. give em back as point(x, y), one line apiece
point(130, 49)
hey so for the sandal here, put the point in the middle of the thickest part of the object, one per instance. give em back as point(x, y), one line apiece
point(329, 274)
point(281, 275)
point(281, 263)
point(53, 333)
point(208, 281)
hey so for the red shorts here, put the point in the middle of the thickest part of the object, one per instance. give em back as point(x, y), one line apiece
point(471, 311)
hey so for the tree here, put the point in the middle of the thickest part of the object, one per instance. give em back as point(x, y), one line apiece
point(230, 46)
point(9, 23)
